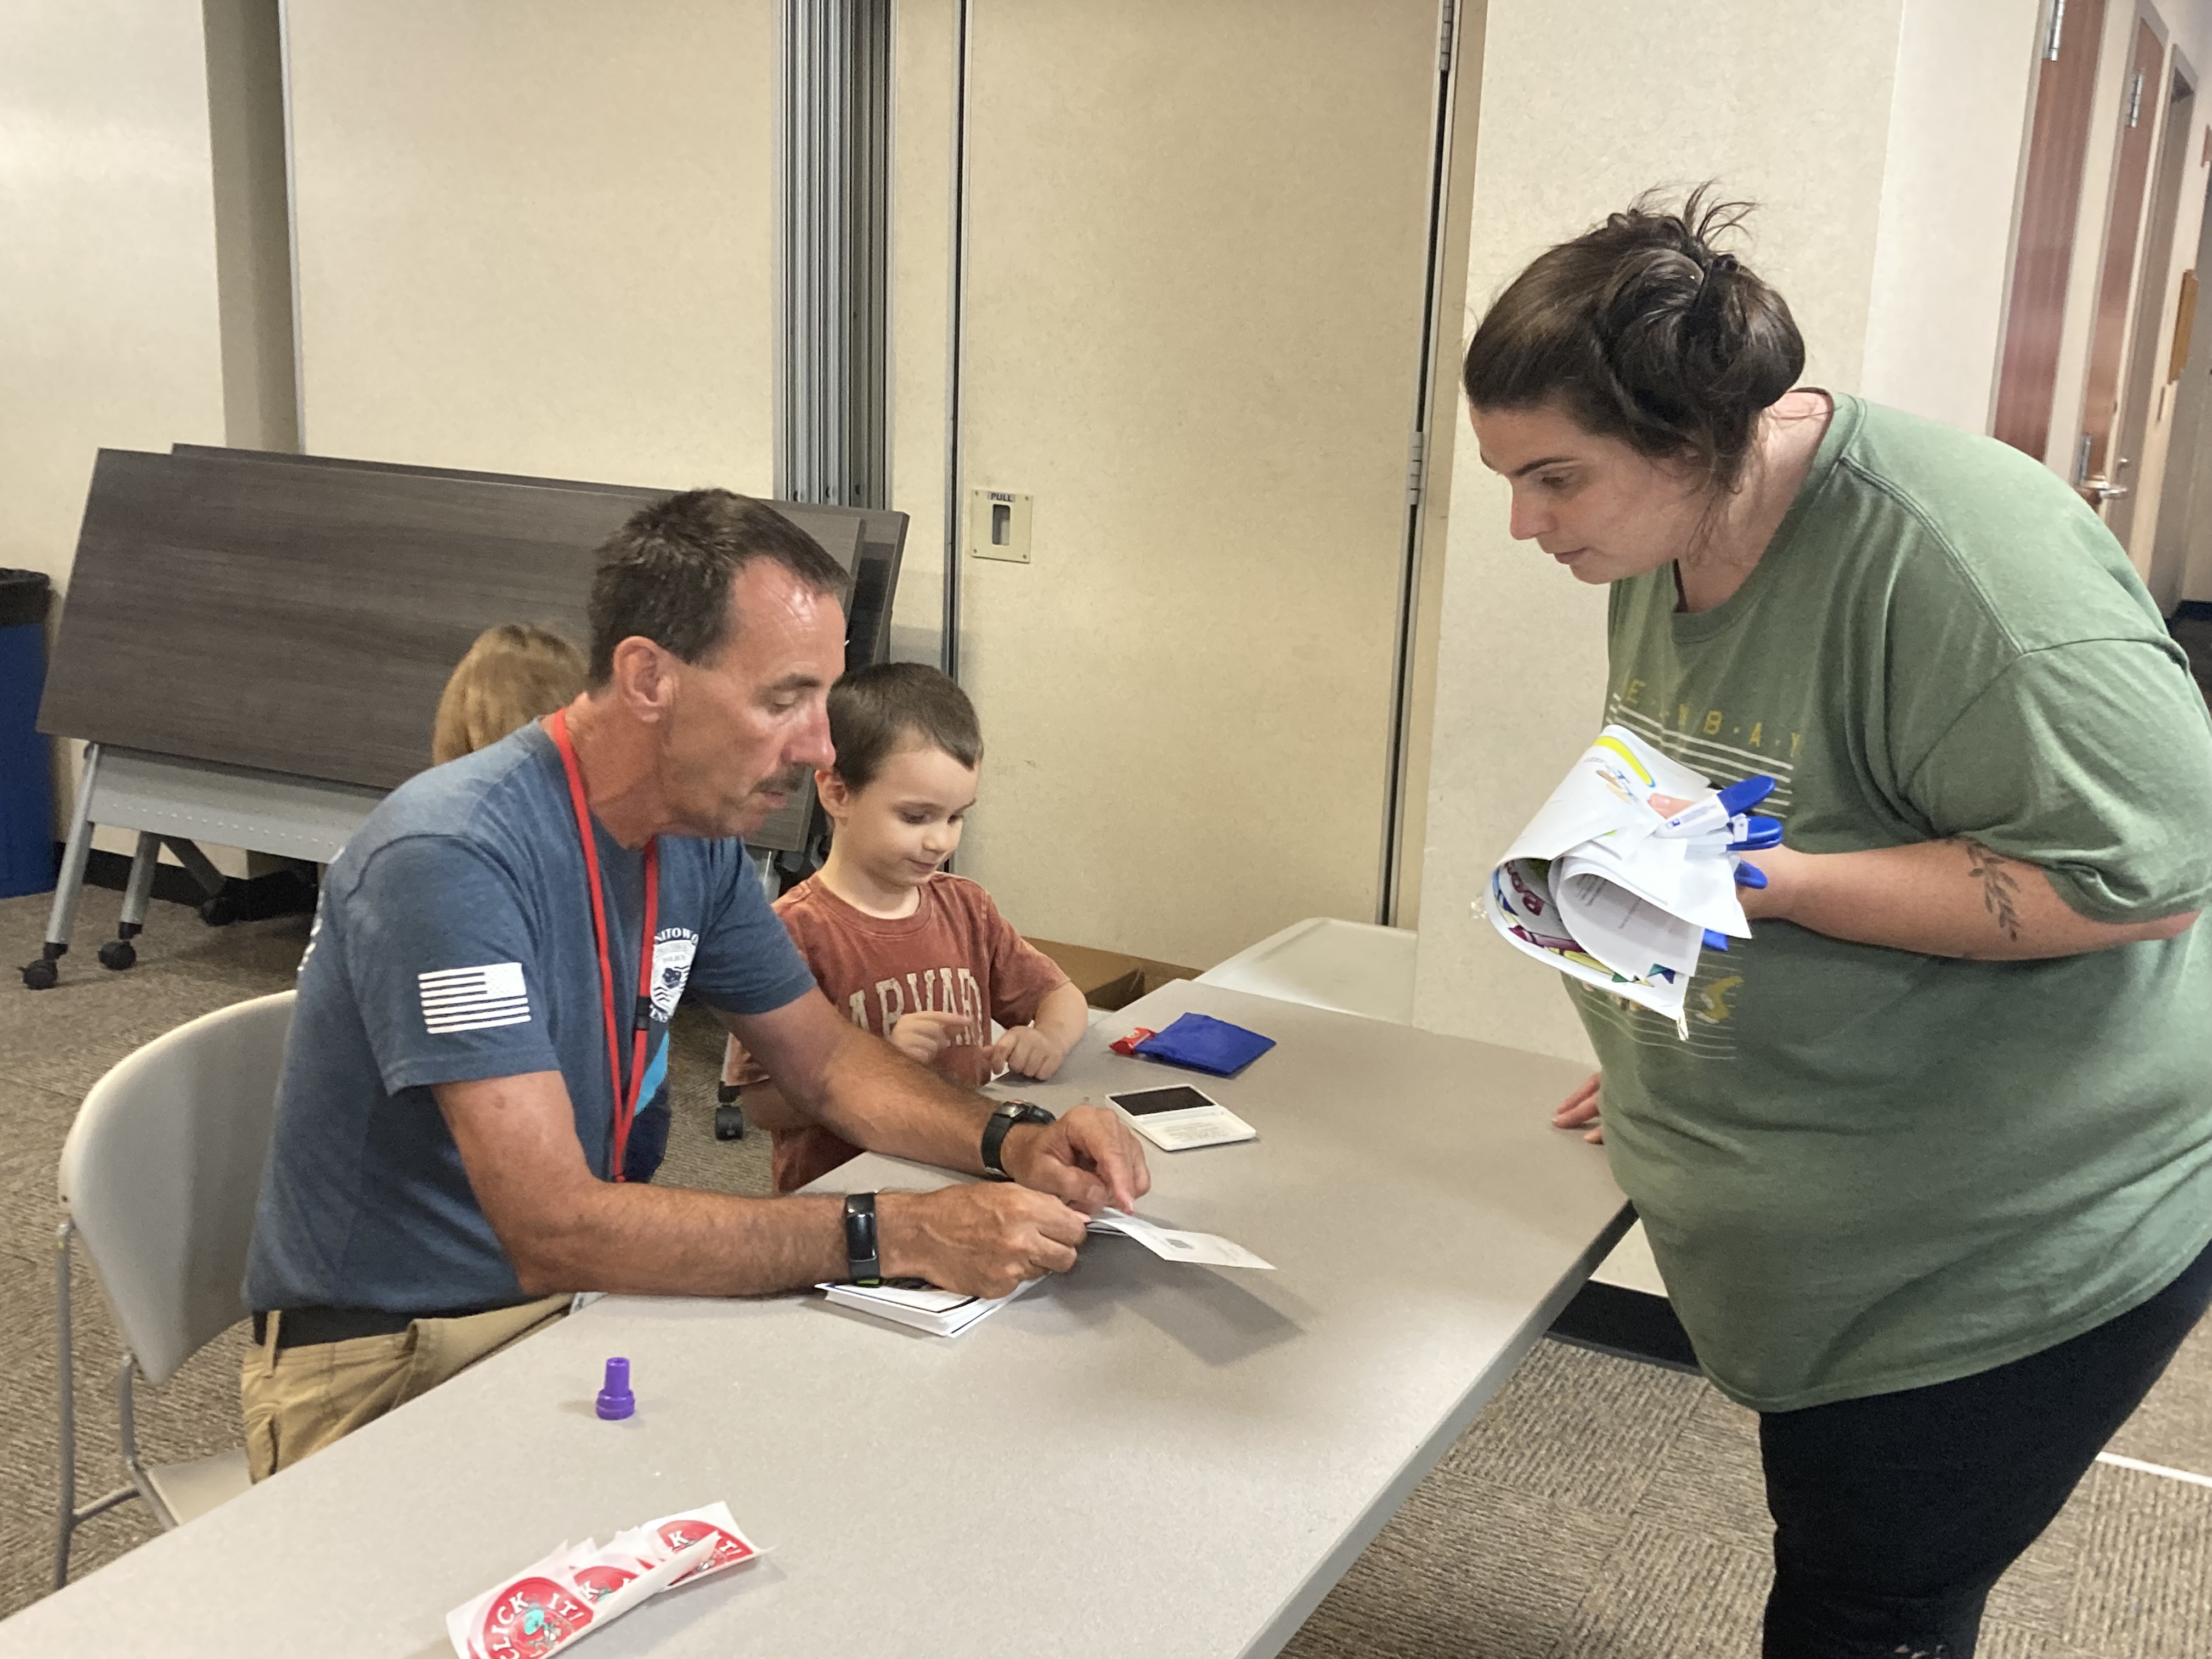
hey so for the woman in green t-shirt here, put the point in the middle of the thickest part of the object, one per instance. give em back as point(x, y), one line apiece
point(1929, 1177)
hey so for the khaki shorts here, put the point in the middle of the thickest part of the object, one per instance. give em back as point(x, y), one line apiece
point(298, 1401)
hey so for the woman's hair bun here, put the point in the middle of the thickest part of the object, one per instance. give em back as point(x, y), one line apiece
point(1641, 329)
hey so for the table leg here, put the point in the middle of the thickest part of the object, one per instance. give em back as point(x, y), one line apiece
point(68, 886)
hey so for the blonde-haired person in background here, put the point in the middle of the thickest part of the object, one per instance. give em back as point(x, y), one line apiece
point(514, 674)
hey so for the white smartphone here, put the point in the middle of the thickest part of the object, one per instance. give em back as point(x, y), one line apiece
point(1178, 1117)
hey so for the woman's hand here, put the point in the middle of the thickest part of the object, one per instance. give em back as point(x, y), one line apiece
point(1580, 1108)
point(1786, 872)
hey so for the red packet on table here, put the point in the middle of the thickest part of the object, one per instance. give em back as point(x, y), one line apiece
point(606, 1573)
point(1128, 1045)
point(656, 1541)
point(529, 1614)
point(571, 1592)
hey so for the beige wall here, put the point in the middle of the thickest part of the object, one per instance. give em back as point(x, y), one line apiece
point(1943, 258)
point(107, 269)
point(923, 67)
point(1194, 280)
point(538, 236)
point(107, 258)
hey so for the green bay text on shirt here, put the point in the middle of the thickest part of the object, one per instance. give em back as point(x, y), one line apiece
point(1866, 1169)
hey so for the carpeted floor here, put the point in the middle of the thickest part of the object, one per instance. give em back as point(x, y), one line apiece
point(1599, 1509)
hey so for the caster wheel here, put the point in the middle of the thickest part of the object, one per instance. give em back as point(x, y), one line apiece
point(41, 975)
point(729, 1121)
point(220, 911)
point(118, 954)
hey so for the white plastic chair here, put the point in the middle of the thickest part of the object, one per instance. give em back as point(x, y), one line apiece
point(159, 1176)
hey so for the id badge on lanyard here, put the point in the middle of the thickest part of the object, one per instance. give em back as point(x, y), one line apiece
point(626, 1101)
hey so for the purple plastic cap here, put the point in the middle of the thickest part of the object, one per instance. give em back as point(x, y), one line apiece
point(616, 1400)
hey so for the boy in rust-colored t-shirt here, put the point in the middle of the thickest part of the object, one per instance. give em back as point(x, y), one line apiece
point(920, 957)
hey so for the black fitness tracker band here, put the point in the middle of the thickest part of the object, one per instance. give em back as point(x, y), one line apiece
point(864, 1262)
point(995, 1133)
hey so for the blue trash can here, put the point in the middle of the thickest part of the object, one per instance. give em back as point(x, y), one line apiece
point(26, 778)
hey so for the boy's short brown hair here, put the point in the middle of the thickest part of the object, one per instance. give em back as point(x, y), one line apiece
point(874, 710)
point(511, 676)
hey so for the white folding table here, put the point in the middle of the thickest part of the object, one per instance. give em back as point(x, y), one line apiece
point(1139, 1456)
point(1360, 968)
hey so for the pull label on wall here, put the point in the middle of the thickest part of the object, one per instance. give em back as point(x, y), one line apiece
point(998, 526)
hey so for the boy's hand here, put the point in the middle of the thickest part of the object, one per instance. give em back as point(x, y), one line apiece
point(923, 1035)
point(1028, 1051)
point(1088, 1159)
point(976, 1238)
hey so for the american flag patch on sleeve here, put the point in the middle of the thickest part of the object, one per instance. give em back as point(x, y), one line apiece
point(474, 999)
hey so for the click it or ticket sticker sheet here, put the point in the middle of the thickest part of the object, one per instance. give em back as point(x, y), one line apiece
point(580, 1587)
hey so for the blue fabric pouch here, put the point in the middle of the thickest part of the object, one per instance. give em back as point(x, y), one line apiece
point(1206, 1044)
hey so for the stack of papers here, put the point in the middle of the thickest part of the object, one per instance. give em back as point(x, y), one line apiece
point(1590, 888)
point(580, 1587)
point(924, 1307)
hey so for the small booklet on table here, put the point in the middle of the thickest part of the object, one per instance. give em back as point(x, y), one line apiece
point(924, 1307)
point(947, 1313)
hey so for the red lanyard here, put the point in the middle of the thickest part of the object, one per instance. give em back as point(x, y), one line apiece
point(625, 1107)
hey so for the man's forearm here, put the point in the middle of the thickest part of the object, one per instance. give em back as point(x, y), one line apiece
point(565, 1229)
point(876, 1097)
point(668, 1241)
point(1943, 898)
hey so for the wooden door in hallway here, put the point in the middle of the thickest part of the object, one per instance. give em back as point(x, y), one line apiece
point(2143, 398)
point(2098, 473)
point(2050, 203)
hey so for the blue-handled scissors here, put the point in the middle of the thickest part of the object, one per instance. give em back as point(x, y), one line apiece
point(1712, 811)
point(1753, 834)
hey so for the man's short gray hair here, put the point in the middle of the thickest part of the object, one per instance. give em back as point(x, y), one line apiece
point(665, 575)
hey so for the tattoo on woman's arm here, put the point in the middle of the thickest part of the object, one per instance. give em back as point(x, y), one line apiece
point(2000, 889)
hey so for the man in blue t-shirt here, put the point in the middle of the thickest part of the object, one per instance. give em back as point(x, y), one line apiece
point(459, 1146)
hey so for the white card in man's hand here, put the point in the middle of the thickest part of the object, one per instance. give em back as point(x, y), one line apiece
point(1207, 1249)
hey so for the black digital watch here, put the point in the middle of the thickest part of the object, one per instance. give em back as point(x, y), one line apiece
point(995, 1131)
point(864, 1262)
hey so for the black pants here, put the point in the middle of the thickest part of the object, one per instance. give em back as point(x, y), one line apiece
point(1894, 1515)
